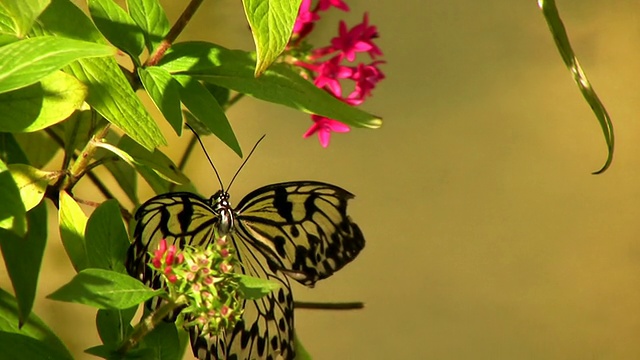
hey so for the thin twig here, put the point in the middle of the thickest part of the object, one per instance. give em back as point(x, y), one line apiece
point(356, 305)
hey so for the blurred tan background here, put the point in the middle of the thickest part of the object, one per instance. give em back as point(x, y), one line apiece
point(487, 237)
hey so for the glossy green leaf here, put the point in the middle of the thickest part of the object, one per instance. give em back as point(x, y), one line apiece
point(114, 325)
point(63, 18)
point(34, 327)
point(234, 69)
point(41, 105)
point(17, 346)
point(32, 183)
point(117, 26)
point(106, 238)
point(23, 257)
point(104, 289)
point(28, 61)
point(205, 108)
point(165, 342)
point(40, 155)
point(111, 95)
point(164, 91)
point(253, 288)
point(550, 12)
point(301, 352)
point(271, 23)
point(151, 18)
point(7, 27)
point(13, 215)
point(72, 222)
point(23, 13)
point(10, 150)
point(136, 155)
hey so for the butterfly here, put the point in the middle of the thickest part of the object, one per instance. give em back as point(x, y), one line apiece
point(298, 230)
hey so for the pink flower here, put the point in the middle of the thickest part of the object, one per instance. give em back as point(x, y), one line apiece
point(326, 4)
point(305, 19)
point(324, 126)
point(366, 78)
point(329, 73)
point(358, 39)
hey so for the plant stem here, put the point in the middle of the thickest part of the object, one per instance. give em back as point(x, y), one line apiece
point(149, 323)
point(80, 166)
point(177, 28)
point(356, 305)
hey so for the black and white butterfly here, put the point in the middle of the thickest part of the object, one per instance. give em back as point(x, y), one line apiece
point(296, 229)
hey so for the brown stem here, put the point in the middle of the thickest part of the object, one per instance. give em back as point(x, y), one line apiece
point(356, 305)
point(177, 28)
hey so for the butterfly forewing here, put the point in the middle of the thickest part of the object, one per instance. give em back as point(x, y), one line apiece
point(304, 227)
point(300, 229)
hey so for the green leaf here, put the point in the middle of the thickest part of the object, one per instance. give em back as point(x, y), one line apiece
point(117, 26)
point(63, 18)
point(23, 258)
point(41, 105)
point(111, 95)
point(220, 93)
point(40, 155)
point(7, 27)
point(127, 178)
point(301, 352)
point(550, 12)
point(114, 325)
point(151, 18)
point(271, 23)
point(205, 108)
point(164, 91)
point(106, 238)
point(138, 156)
point(233, 69)
point(104, 289)
point(13, 215)
point(10, 151)
point(28, 61)
point(253, 288)
point(78, 129)
point(32, 183)
point(23, 13)
point(17, 346)
point(73, 221)
point(165, 342)
point(34, 327)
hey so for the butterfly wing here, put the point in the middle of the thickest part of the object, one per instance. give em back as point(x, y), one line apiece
point(266, 328)
point(181, 218)
point(302, 227)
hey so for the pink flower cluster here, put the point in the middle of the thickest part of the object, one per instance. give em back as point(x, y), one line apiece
point(330, 65)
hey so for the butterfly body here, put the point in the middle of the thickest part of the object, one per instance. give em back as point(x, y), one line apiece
point(294, 229)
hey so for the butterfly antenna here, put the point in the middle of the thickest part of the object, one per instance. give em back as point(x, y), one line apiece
point(207, 155)
point(245, 161)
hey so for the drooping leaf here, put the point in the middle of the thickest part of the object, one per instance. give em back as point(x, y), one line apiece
point(279, 84)
point(42, 104)
point(106, 238)
point(551, 15)
point(23, 13)
point(32, 183)
point(13, 215)
point(117, 26)
point(164, 91)
point(17, 346)
point(205, 108)
point(40, 155)
point(114, 325)
point(271, 23)
point(72, 222)
point(151, 18)
point(33, 327)
point(23, 258)
point(104, 289)
point(28, 61)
